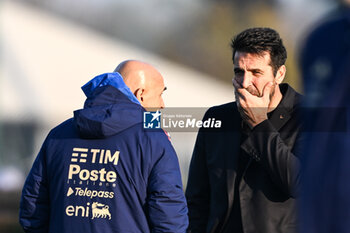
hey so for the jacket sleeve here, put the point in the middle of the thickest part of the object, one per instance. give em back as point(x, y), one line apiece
point(198, 190)
point(34, 206)
point(265, 145)
point(167, 208)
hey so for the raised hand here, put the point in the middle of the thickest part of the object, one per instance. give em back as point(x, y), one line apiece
point(253, 109)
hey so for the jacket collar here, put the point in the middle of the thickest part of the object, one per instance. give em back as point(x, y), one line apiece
point(278, 118)
point(284, 109)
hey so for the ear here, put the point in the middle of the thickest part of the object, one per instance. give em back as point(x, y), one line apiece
point(281, 73)
point(139, 94)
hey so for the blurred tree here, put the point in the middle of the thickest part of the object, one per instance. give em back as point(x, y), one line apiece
point(204, 43)
point(248, 3)
point(197, 38)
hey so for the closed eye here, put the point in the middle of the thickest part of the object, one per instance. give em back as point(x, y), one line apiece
point(257, 72)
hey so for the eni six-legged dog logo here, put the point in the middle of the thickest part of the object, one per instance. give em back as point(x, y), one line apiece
point(100, 211)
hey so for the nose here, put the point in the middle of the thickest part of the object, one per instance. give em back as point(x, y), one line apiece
point(246, 80)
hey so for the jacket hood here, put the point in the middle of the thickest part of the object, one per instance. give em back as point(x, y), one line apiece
point(110, 107)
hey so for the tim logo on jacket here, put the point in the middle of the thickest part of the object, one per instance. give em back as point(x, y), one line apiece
point(91, 174)
point(93, 211)
point(83, 156)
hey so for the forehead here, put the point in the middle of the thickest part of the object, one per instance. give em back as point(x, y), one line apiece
point(159, 81)
point(156, 82)
point(249, 59)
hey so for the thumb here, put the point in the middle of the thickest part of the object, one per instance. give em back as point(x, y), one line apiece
point(267, 89)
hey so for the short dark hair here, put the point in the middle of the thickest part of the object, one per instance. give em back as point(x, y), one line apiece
point(258, 41)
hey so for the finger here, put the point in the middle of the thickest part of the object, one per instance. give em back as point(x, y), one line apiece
point(242, 103)
point(236, 88)
point(239, 94)
point(243, 92)
point(244, 115)
point(236, 84)
point(267, 89)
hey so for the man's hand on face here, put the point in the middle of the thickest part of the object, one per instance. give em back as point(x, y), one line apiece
point(253, 109)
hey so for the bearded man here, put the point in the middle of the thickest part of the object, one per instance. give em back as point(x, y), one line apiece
point(244, 177)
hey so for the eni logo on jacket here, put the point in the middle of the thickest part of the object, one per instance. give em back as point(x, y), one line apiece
point(82, 156)
point(98, 210)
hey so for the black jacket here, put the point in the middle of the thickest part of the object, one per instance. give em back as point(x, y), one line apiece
point(270, 180)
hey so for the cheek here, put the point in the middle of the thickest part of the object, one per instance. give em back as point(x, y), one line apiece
point(153, 100)
point(159, 101)
point(262, 81)
point(259, 84)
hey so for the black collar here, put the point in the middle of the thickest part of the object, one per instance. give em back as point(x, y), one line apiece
point(283, 112)
point(284, 109)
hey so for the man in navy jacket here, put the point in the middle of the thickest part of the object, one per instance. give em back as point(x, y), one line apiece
point(325, 63)
point(101, 171)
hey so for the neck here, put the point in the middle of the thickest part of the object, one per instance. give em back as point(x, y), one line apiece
point(275, 99)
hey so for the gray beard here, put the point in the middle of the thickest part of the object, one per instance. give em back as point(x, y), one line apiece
point(255, 92)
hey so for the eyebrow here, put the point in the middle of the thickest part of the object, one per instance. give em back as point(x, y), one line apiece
point(256, 70)
point(251, 70)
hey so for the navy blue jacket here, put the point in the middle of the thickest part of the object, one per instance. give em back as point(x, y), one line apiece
point(102, 172)
point(325, 202)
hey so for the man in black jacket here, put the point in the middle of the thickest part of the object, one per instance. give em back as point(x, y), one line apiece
point(244, 177)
